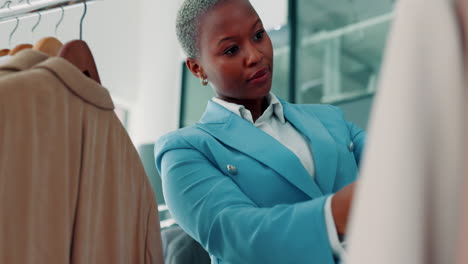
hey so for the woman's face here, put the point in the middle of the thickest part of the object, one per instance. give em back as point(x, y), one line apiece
point(236, 54)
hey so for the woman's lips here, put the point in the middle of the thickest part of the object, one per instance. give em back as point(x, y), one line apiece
point(260, 76)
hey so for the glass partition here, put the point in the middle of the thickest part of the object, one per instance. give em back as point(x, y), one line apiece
point(194, 98)
point(341, 63)
point(339, 47)
point(338, 50)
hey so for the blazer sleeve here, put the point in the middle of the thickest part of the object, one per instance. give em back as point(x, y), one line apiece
point(357, 135)
point(212, 209)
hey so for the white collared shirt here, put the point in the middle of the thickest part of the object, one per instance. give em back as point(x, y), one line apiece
point(273, 123)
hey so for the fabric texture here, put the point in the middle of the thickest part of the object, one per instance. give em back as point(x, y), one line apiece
point(4, 59)
point(406, 206)
point(244, 196)
point(273, 123)
point(180, 248)
point(462, 7)
point(21, 61)
point(72, 187)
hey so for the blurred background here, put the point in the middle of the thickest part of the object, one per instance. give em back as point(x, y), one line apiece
point(326, 51)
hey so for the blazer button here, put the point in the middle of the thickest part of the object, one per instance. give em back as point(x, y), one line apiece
point(231, 169)
point(351, 146)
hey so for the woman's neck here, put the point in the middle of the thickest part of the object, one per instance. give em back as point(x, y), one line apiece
point(255, 106)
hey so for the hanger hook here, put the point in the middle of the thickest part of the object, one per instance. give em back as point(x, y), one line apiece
point(60, 20)
point(39, 18)
point(82, 19)
point(13, 32)
point(5, 4)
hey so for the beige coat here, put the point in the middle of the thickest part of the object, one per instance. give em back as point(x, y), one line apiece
point(72, 187)
point(22, 61)
point(407, 203)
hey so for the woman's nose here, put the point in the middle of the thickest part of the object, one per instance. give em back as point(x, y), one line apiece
point(253, 56)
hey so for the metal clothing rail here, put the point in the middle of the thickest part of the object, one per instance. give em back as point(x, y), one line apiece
point(10, 12)
point(328, 35)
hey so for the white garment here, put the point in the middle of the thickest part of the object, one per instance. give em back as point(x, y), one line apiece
point(273, 123)
point(4, 59)
point(406, 205)
point(463, 242)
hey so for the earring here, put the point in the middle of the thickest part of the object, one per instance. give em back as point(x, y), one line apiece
point(204, 81)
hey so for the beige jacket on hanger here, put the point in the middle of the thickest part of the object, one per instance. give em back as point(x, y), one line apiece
point(463, 245)
point(72, 186)
point(22, 61)
point(407, 202)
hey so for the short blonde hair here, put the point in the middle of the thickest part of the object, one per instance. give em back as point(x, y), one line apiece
point(188, 21)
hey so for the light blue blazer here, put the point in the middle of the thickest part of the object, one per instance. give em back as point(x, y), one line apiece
point(266, 208)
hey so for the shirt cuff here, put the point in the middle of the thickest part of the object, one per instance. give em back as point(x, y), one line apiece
point(335, 243)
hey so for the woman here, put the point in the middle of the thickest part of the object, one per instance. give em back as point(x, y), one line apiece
point(253, 180)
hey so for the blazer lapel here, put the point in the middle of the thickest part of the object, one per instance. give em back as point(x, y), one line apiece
point(240, 134)
point(323, 145)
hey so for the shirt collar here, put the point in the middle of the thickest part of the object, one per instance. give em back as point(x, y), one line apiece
point(274, 108)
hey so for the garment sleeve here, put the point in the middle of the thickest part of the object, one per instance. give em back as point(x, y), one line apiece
point(335, 243)
point(357, 135)
point(212, 209)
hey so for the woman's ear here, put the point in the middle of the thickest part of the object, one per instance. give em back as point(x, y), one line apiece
point(195, 68)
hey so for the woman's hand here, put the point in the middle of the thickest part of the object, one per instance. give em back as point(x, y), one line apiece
point(340, 205)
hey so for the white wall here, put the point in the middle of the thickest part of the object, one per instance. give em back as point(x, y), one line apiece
point(157, 107)
point(111, 30)
point(136, 51)
point(274, 13)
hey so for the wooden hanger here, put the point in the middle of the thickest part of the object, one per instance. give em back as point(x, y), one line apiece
point(19, 48)
point(4, 52)
point(7, 51)
point(78, 53)
point(49, 45)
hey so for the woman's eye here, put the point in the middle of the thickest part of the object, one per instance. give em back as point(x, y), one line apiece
point(259, 35)
point(232, 50)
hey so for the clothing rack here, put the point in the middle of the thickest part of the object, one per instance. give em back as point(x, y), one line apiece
point(9, 12)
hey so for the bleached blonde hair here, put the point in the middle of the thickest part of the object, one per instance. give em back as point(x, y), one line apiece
point(188, 22)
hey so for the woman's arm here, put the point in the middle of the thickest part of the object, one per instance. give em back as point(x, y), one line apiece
point(213, 210)
point(341, 205)
point(342, 200)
